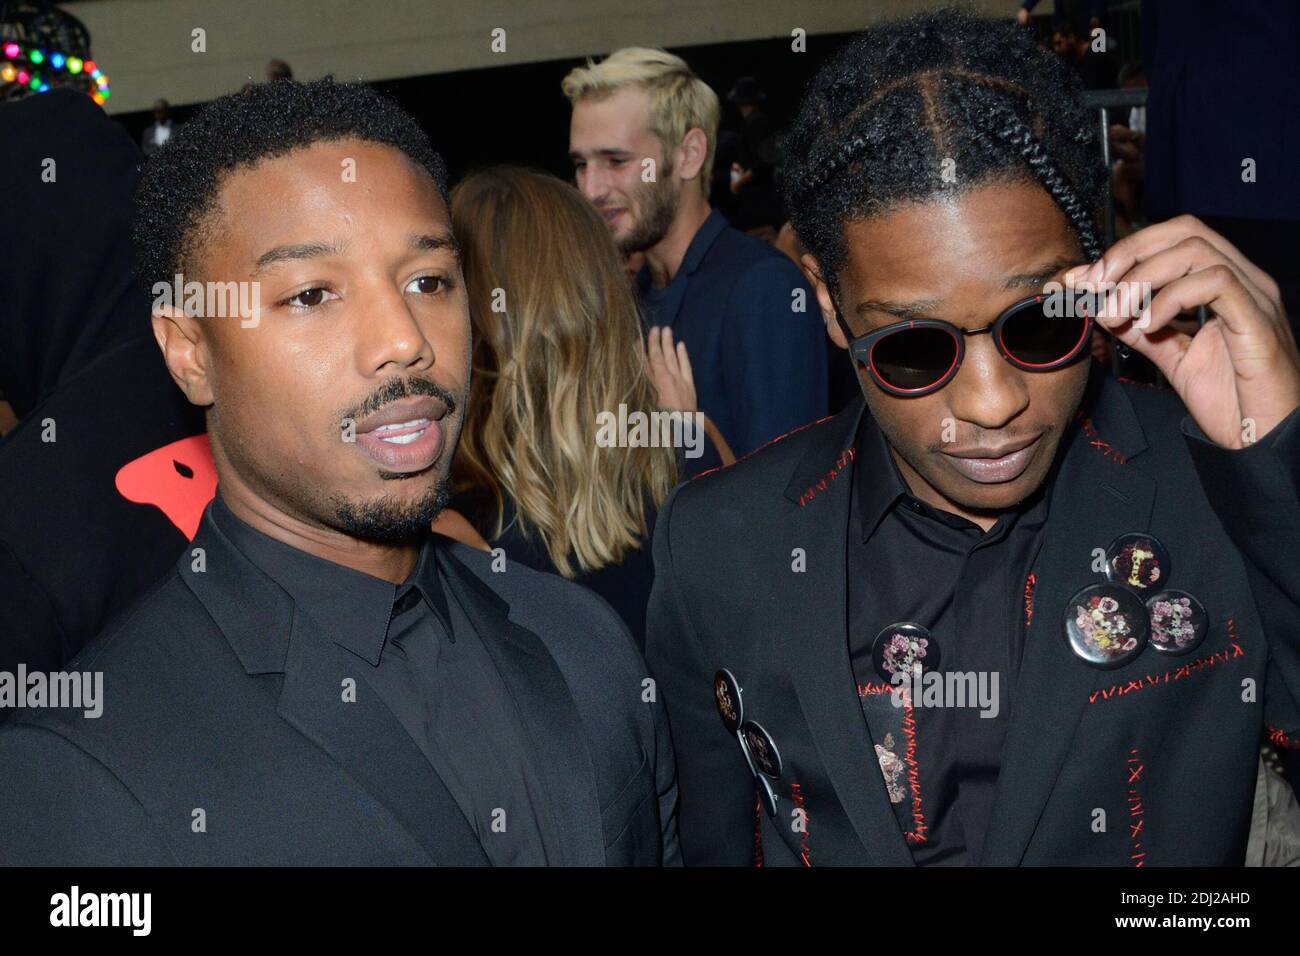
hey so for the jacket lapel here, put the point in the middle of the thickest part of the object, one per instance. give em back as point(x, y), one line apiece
point(1097, 494)
point(817, 649)
point(269, 635)
point(371, 745)
point(555, 736)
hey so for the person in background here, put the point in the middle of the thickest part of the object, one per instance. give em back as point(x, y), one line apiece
point(557, 342)
point(278, 70)
point(1092, 58)
point(157, 133)
point(1081, 15)
point(102, 455)
point(1220, 131)
point(641, 138)
point(758, 207)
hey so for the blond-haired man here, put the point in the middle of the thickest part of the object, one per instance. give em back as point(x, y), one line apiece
point(641, 139)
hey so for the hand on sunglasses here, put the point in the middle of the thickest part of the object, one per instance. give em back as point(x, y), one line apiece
point(1239, 374)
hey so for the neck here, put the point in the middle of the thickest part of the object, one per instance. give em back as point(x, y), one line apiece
point(926, 492)
point(388, 562)
point(665, 257)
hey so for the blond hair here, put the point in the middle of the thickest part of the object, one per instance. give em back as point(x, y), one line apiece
point(679, 100)
point(557, 340)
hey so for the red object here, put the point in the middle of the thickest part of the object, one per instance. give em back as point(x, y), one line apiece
point(178, 479)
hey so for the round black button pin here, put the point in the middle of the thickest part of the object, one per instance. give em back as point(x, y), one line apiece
point(1178, 622)
point(1106, 625)
point(900, 647)
point(726, 691)
point(1138, 561)
point(762, 748)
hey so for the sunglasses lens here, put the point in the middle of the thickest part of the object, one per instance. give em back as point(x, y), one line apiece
point(912, 359)
point(1039, 336)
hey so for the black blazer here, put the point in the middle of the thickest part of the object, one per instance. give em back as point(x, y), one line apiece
point(1166, 747)
point(219, 696)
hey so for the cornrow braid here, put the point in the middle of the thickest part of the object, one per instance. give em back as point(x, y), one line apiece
point(901, 101)
point(1012, 131)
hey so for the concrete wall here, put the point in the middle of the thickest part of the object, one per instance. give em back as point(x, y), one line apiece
point(145, 46)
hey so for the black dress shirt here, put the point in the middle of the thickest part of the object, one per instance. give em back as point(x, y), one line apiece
point(910, 562)
point(421, 655)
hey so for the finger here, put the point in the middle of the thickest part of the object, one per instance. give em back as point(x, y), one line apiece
point(684, 364)
point(1247, 331)
point(654, 350)
point(1147, 242)
point(1131, 292)
point(670, 353)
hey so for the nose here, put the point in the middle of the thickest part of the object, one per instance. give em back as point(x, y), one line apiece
point(987, 391)
point(593, 183)
point(391, 340)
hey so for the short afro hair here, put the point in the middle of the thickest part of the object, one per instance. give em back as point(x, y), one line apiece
point(180, 182)
point(883, 115)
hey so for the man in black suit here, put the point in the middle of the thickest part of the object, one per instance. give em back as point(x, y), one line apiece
point(1008, 610)
point(321, 680)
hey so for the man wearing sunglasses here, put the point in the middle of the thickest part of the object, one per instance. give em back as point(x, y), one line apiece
point(1006, 610)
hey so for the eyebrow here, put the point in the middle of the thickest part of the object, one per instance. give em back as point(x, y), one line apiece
point(924, 308)
point(315, 249)
point(296, 251)
point(427, 242)
point(609, 152)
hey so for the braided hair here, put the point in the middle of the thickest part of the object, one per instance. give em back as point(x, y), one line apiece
point(933, 104)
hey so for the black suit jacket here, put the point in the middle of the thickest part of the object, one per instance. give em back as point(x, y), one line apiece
point(221, 697)
point(1166, 747)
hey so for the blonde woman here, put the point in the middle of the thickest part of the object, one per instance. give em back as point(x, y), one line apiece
point(558, 347)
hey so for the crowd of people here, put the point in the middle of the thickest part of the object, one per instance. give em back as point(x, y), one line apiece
point(678, 570)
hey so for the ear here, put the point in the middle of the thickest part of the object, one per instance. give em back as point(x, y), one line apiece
point(689, 160)
point(185, 350)
point(813, 272)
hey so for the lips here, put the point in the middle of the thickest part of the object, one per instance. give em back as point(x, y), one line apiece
point(994, 465)
point(404, 436)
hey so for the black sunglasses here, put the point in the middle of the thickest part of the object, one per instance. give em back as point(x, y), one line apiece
point(918, 356)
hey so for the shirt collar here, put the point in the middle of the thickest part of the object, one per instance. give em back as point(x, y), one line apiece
point(701, 243)
point(353, 609)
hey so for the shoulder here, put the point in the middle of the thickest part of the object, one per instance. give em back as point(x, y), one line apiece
point(565, 615)
point(751, 264)
point(719, 496)
point(134, 661)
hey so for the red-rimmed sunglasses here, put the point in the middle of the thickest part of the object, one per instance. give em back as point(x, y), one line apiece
point(918, 356)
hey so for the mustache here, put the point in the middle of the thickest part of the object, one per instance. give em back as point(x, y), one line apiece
point(395, 388)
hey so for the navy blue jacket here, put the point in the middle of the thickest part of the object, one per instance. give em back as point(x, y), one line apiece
point(757, 348)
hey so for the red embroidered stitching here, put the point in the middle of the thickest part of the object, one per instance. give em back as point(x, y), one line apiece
point(758, 828)
point(1141, 683)
point(920, 829)
point(1096, 441)
point(793, 431)
point(796, 795)
point(846, 456)
point(1030, 583)
point(1278, 738)
point(1135, 806)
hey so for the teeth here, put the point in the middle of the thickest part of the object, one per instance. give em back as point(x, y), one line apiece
point(403, 439)
point(395, 426)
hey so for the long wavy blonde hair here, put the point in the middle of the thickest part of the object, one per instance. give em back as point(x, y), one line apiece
point(557, 340)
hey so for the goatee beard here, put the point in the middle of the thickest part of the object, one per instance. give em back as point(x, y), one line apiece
point(389, 520)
